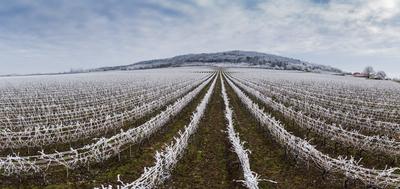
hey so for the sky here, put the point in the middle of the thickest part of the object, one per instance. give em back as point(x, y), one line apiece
point(38, 36)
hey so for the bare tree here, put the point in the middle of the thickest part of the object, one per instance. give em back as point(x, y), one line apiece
point(369, 70)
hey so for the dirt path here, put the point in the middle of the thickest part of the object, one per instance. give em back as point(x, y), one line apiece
point(209, 161)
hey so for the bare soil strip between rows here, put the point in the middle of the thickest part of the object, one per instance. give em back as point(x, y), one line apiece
point(209, 161)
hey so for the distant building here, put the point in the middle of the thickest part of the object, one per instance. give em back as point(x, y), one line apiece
point(358, 74)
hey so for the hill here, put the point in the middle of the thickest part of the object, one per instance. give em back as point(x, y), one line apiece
point(228, 58)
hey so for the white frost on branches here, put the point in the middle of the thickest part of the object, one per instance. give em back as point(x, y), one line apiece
point(304, 150)
point(100, 150)
point(170, 155)
point(373, 143)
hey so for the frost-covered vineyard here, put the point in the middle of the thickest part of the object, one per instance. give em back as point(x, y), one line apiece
point(199, 127)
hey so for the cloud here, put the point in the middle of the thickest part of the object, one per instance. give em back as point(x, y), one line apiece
point(41, 36)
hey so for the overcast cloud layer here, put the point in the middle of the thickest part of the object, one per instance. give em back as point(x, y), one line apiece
point(52, 36)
